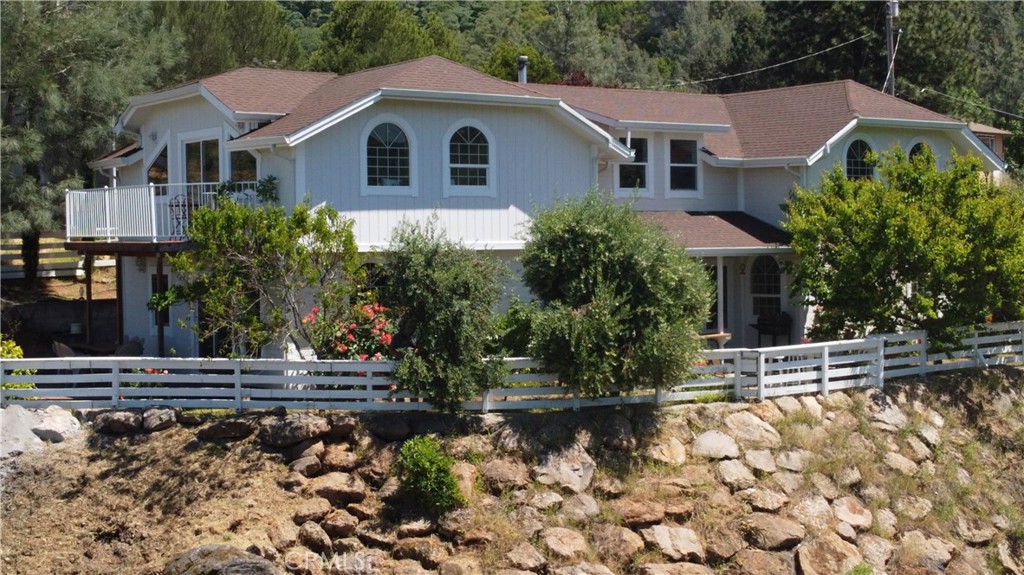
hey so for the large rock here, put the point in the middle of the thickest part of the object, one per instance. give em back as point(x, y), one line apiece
point(793, 460)
point(525, 556)
point(460, 566)
point(504, 474)
point(564, 544)
point(916, 548)
point(583, 569)
point(118, 422)
point(339, 523)
point(751, 431)
point(827, 555)
point(715, 445)
point(219, 560)
point(292, 429)
point(771, 532)
point(16, 428)
point(974, 532)
point(312, 509)
point(671, 451)
point(813, 512)
point(760, 460)
point(722, 542)
point(913, 507)
point(900, 463)
point(635, 512)
point(56, 424)
point(232, 428)
point(306, 466)
point(764, 499)
point(571, 468)
point(314, 537)
point(389, 427)
point(875, 550)
point(282, 534)
point(852, 511)
point(429, 551)
point(338, 457)
point(734, 474)
point(614, 543)
point(338, 488)
point(759, 562)
point(674, 569)
point(580, 507)
point(676, 543)
point(158, 419)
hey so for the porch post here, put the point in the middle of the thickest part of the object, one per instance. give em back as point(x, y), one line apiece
point(119, 286)
point(159, 324)
point(720, 304)
point(88, 297)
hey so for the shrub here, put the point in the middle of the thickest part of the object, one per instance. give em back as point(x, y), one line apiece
point(442, 295)
point(514, 328)
point(11, 350)
point(426, 475)
point(622, 306)
point(364, 333)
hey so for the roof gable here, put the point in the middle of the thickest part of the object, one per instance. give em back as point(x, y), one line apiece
point(261, 90)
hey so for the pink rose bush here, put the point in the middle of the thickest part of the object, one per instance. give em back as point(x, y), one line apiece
point(364, 333)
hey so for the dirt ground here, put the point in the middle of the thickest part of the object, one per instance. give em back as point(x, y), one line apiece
point(104, 286)
point(129, 504)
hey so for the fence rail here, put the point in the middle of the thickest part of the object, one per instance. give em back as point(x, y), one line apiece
point(54, 260)
point(103, 382)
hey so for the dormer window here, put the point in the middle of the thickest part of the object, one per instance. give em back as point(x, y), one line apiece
point(683, 169)
point(632, 175)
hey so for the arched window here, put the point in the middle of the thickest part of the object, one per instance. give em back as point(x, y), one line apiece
point(857, 164)
point(918, 149)
point(468, 157)
point(766, 286)
point(387, 156)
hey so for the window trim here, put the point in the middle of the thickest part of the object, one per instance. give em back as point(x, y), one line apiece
point(762, 294)
point(697, 194)
point(186, 138)
point(453, 190)
point(646, 192)
point(257, 157)
point(365, 189)
point(846, 152)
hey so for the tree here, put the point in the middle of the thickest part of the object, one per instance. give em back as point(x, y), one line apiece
point(65, 74)
point(442, 294)
point(918, 248)
point(361, 35)
point(254, 269)
point(622, 306)
point(504, 64)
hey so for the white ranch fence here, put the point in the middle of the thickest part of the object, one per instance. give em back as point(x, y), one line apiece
point(240, 384)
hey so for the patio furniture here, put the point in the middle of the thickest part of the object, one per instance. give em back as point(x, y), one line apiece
point(773, 324)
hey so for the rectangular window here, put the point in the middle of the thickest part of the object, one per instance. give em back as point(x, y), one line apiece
point(712, 324)
point(633, 175)
point(202, 161)
point(243, 167)
point(682, 169)
point(158, 285)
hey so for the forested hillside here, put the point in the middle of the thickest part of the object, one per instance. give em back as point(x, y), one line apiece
point(68, 68)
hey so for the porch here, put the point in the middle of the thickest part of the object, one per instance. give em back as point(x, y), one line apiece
point(147, 213)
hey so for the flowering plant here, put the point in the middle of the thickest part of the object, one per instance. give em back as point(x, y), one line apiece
point(364, 333)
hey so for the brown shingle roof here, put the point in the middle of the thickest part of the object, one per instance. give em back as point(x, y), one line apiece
point(432, 73)
point(641, 105)
point(696, 230)
point(263, 89)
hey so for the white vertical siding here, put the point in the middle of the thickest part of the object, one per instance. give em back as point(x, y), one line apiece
point(538, 160)
point(765, 190)
point(173, 119)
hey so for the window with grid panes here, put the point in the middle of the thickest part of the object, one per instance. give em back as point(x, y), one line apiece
point(387, 156)
point(468, 157)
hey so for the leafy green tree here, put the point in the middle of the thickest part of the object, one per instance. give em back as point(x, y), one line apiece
point(918, 248)
point(622, 306)
point(504, 64)
point(442, 294)
point(254, 268)
point(65, 73)
point(362, 35)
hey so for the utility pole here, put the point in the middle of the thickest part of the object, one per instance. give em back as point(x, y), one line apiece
point(892, 10)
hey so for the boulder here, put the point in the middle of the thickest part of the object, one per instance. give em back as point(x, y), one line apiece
point(813, 512)
point(764, 499)
point(389, 427)
point(886, 522)
point(306, 466)
point(824, 485)
point(691, 476)
point(760, 460)
point(788, 481)
point(793, 460)
point(1006, 559)
point(469, 446)
point(545, 500)
point(827, 555)
point(771, 532)
point(614, 543)
point(118, 422)
point(56, 424)
point(342, 425)
point(377, 464)
point(974, 532)
point(465, 476)
point(429, 551)
point(751, 431)
point(292, 429)
point(715, 445)
point(617, 433)
point(564, 544)
point(900, 463)
point(338, 488)
point(635, 512)
point(722, 542)
point(582, 569)
point(460, 566)
point(676, 543)
point(293, 482)
point(339, 523)
point(916, 548)
point(852, 511)
point(312, 509)
point(759, 562)
point(846, 532)
point(734, 474)
point(913, 507)
point(158, 419)
point(505, 474)
point(571, 469)
point(875, 550)
point(16, 434)
point(282, 534)
point(580, 507)
point(928, 434)
point(525, 556)
point(308, 448)
point(314, 537)
point(420, 527)
point(672, 451)
point(674, 569)
point(232, 428)
point(788, 404)
point(219, 560)
point(810, 403)
point(919, 452)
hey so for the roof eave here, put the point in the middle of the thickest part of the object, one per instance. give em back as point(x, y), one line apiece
point(180, 93)
point(906, 123)
point(255, 143)
point(118, 162)
point(739, 251)
point(670, 126)
point(766, 162)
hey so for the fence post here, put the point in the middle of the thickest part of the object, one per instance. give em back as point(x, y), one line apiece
point(115, 384)
point(152, 209)
point(824, 372)
point(760, 376)
point(67, 213)
point(979, 361)
point(881, 363)
point(737, 375)
point(923, 361)
point(657, 396)
point(238, 386)
point(1021, 359)
point(576, 399)
point(485, 404)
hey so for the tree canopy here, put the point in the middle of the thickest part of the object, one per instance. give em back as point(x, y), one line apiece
point(916, 248)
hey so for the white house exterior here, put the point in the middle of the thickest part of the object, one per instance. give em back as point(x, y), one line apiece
point(433, 138)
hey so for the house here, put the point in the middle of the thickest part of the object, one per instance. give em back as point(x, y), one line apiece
point(431, 136)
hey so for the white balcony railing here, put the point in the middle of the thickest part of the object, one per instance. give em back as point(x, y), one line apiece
point(154, 212)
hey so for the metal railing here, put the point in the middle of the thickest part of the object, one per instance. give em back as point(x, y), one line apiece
point(151, 213)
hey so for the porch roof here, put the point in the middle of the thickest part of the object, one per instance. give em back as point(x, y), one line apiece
point(727, 233)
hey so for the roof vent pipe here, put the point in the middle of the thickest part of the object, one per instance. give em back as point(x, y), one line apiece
point(522, 69)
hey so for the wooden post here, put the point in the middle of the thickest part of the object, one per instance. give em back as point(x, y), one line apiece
point(485, 402)
point(88, 297)
point(737, 375)
point(159, 322)
point(923, 361)
point(657, 396)
point(881, 363)
point(824, 371)
point(119, 286)
point(115, 384)
point(760, 376)
point(238, 386)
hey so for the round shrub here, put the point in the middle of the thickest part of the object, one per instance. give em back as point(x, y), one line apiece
point(426, 475)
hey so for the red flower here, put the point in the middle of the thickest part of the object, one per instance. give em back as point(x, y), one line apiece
point(362, 357)
point(351, 337)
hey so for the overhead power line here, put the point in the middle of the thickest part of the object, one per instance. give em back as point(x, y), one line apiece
point(969, 102)
point(726, 77)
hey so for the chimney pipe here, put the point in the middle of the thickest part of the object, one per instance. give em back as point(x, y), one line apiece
point(522, 69)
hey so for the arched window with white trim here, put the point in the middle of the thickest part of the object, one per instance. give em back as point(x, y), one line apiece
point(387, 157)
point(766, 286)
point(857, 162)
point(469, 160)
